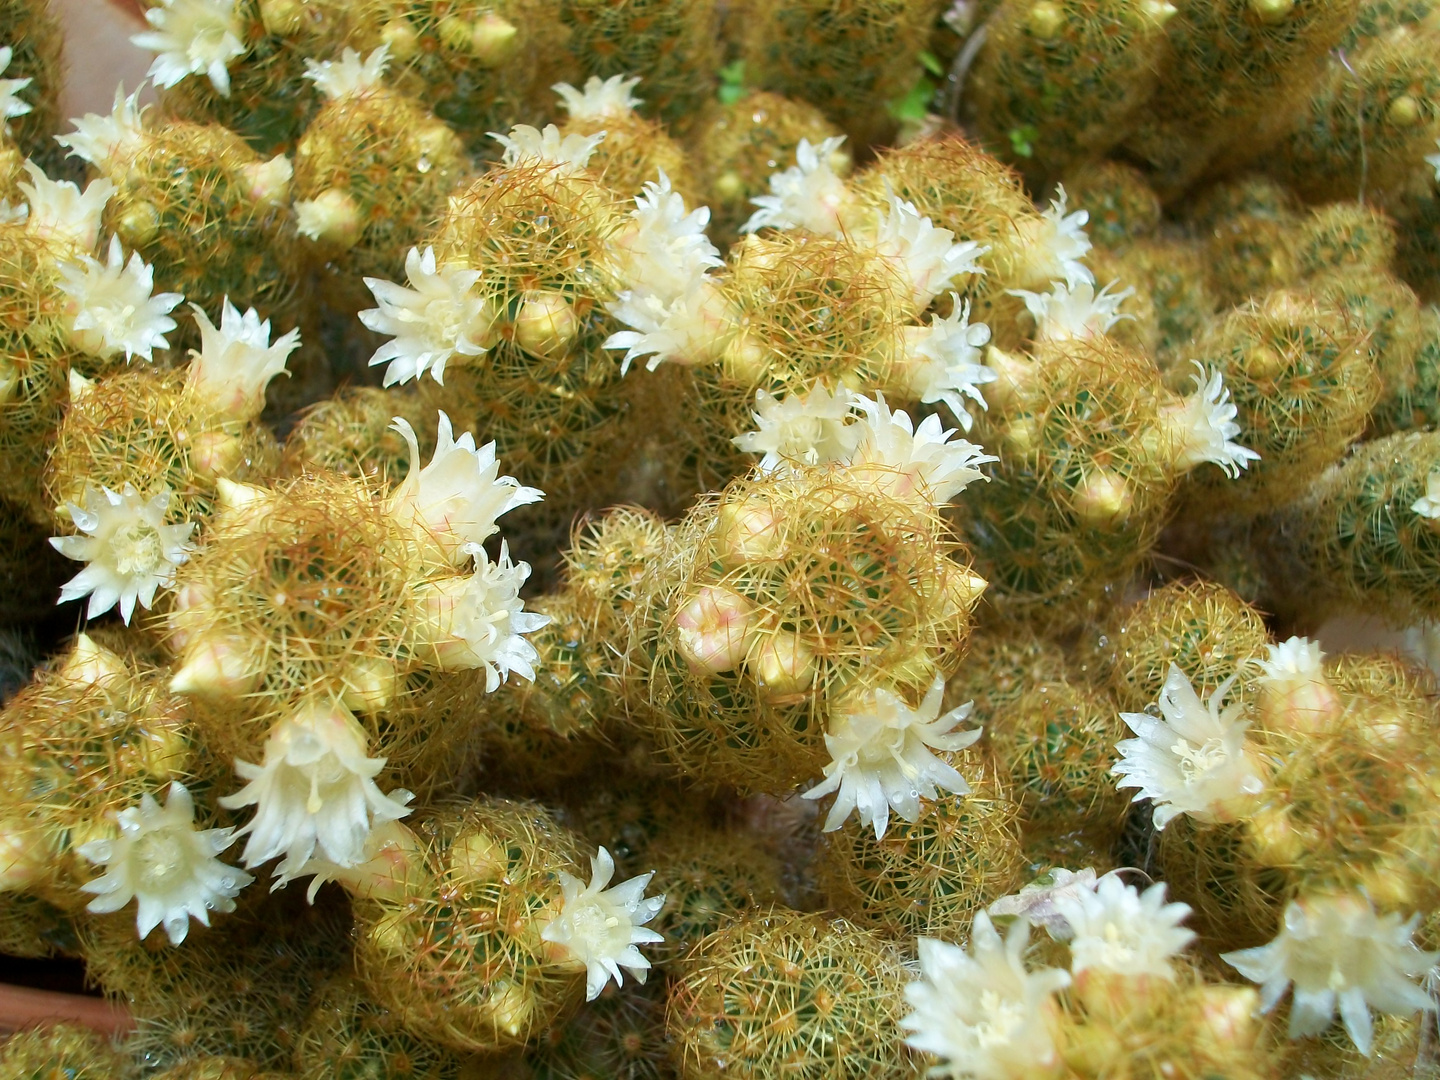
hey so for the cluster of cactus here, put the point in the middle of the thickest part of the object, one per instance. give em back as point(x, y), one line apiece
point(917, 641)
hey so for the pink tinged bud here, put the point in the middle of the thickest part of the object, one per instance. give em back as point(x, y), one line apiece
point(747, 531)
point(1228, 1014)
point(268, 182)
point(1014, 378)
point(494, 41)
point(90, 664)
point(712, 630)
point(214, 454)
point(1308, 705)
point(332, 217)
point(217, 667)
point(189, 614)
point(782, 665)
point(546, 325)
point(370, 684)
point(963, 588)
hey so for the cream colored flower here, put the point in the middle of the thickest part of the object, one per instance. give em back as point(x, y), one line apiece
point(60, 214)
point(913, 463)
point(526, 145)
point(349, 76)
point(881, 756)
point(457, 498)
point(600, 928)
point(1195, 760)
point(1114, 928)
point(1037, 902)
point(193, 37)
point(1428, 505)
point(809, 195)
point(236, 362)
point(10, 104)
point(927, 258)
point(663, 250)
point(111, 308)
point(690, 329)
point(130, 551)
point(108, 141)
point(1053, 244)
point(600, 100)
point(1337, 952)
point(980, 1012)
point(438, 317)
point(1203, 427)
point(314, 791)
point(942, 361)
point(165, 865)
point(813, 428)
point(1067, 312)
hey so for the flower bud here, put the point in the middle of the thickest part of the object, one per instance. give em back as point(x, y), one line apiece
point(1228, 1015)
point(269, 181)
point(216, 667)
point(282, 18)
point(90, 664)
point(332, 217)
point(712, 630)
point(1104, 499)
point(1272, 12)
point(138, 224)
point(214, 454)
point(24, 855)
point(400, 38)
point(747, 531)
point(782, 665)
point(546, 325)
point(477, 859)
point(494, 40)
point(370, 685)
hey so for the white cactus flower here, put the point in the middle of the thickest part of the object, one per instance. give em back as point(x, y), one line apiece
point(1055, 242)
point(809, 195)
point(943, 361)
point(601, 99)
point(131, 552)
point(1038, 901)
point(60, 213)
point(438, 317)
point(10, 104)
point(813, 428)
point(457, 498)
point(1337, 951)
point(107, 141)
point(601, 928)
point(526, 145)
point(1433, 160)
point(193, 37)
point(1068, 312)
point(1296, 658)
point(478, 621)
point(925, 257)
point(236, 361)
point(1119, 930)
point(314, 791)
point(881, 756)
point(1195, 760)
point(164, 864)
point(1428, 505)
point(910, 462)
point(689, 329)
point(664, 251)
point(350, 76)
point(111, 308)
point(980, 1012)
point(1203, 427)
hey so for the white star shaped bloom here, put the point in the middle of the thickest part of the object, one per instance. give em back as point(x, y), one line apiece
point(1054, 243)
point(909, 462)
point(809, 195)
point(980, 1012)
point(1037, 902)
point(1193, 761)
point(600, 928)
point(477, 621)
point(813, 428)
point(1068, 312)
point(193, 37)
point(1428, 505)
point(164, 864)
point(1294, 691)
point(438, 317)
point(1203, 426)
point(1119, 930)
point(690, 329)
point(601, 99)
point(10, 104)
point(111, 308)
point(59, 212)
point(663, 252)
point(236, 361)
point(942, 361)
point(349, 76)
point(130, 551)
point(457, 498)
point(1337, 951)
point(881, 756)
point(925, 257)
point(314, 791)
point(527, 145)
point(1433, 160)
point(106, 141)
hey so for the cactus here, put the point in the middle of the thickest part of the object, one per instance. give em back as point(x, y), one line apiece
point(351, 433)
point(1123, 208)
point(33, 34)
point(1345, 234)
point(59, 1049)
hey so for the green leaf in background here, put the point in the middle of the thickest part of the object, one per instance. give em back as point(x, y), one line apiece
point(916, 103)
point(1022, 140)
point(931, 63)
point(732, 82)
